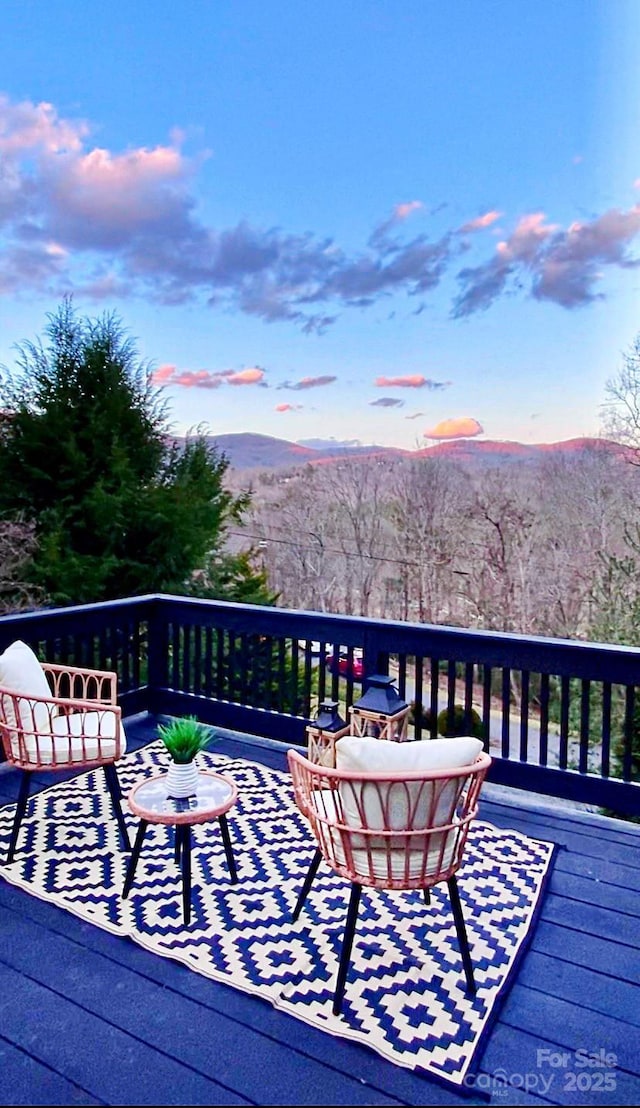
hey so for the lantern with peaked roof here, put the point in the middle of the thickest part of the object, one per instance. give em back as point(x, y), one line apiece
point(324, 732)
point(380, 712)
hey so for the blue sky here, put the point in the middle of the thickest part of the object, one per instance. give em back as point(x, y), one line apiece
point(387, 221)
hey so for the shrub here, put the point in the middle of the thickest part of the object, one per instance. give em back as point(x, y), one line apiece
point(450, 725)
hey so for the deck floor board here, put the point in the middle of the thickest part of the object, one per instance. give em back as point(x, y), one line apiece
point(116, 1024)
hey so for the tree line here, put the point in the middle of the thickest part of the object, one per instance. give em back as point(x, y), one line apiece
point(549, 547)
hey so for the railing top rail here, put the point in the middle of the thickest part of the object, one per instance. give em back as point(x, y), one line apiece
point(495, 648)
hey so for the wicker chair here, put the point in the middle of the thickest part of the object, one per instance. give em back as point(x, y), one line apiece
point(60, 718)
point(391, 829)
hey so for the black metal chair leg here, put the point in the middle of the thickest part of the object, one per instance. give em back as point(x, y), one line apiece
point(133, 861)
point(461, 930)
point(185, 851)
point(115, 792)
point(347, 943)
point(308, 882)
point(426, 895)
point(21, 807)
point(228, 849)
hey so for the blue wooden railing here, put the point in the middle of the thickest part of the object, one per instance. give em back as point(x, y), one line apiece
point(560, 717)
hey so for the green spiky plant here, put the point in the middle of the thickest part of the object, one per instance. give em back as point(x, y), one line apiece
point(184, 738)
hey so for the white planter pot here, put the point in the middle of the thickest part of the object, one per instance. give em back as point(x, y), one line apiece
point(182, 780)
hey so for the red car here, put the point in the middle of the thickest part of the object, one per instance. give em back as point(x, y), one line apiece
point(345, 666)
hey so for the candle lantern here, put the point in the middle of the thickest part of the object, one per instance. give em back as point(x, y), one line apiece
point(380, 712)
point(323, 734)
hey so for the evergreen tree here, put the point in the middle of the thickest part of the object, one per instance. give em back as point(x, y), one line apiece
point(118, 507)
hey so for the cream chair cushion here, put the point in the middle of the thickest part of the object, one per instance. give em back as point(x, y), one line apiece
point(21, 672)
point(75, 738)
point(405, 804)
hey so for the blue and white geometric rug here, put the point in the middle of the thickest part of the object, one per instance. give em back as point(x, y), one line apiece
point(405, 995)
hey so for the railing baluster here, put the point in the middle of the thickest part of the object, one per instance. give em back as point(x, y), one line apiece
point(543, 753)
point(506, 712)
point(606, 729)
point(435, 695)
point(417, 695)
point(197, 660)
point(565, 696)
point(468, 697)
point(629, 714)
point(486, 705)
point(524, 715)
point(583, 756)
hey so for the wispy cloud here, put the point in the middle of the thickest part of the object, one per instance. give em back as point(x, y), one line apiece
point(308, 382)
point(79, 217)
point(462, 428)
point(411, 381)
point(480, 222)
point(288, 407)
point(414, 415)
point(387, 402)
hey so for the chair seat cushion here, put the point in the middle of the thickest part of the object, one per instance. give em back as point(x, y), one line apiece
point(398, 859)
point(78, 737)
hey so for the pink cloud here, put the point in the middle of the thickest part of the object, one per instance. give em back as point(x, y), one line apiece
point(288, 407)
point(309, 382)
point(163, 374)
point(530, 233)
point(251, 376)
point(462, 428)
point(481, 221)
point(411, 381)
point(402, 211)
point(198, 379)
point(186, 378)
point(103, 198)
point(206, 378)
point(26, 127)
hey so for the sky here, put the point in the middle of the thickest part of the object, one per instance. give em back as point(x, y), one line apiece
point(381, 221)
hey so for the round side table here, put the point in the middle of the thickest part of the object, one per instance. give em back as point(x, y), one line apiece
point(215, 794)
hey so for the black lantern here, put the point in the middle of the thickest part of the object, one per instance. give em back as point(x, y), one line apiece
point(324, 732)
point(380, 712)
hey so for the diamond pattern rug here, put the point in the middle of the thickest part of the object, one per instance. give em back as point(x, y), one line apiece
point(405, 995)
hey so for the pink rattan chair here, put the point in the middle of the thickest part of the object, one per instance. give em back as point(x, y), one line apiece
point(61, 718)
point(389, 830)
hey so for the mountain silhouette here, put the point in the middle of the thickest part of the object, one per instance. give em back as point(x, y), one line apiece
point(246, 450)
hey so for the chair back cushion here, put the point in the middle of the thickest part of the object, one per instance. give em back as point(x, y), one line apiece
point(402, 804)
point(21, 672)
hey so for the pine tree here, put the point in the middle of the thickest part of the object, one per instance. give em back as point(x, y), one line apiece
point(119, 508)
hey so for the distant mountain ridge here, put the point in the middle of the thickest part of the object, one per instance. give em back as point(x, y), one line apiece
point(246, 450)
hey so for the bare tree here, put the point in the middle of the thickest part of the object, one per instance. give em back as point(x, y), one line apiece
point(621, 412)
point(17, 546)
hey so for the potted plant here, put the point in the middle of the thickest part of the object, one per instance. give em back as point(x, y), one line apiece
point(183, 739)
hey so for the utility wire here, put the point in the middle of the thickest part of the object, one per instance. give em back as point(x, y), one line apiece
point(332, 550)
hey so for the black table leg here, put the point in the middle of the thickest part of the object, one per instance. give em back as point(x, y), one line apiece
point(224, 828)
point(185, 850)
point(133, 861)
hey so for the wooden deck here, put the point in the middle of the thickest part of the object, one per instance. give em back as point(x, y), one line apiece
point(88, 1018)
